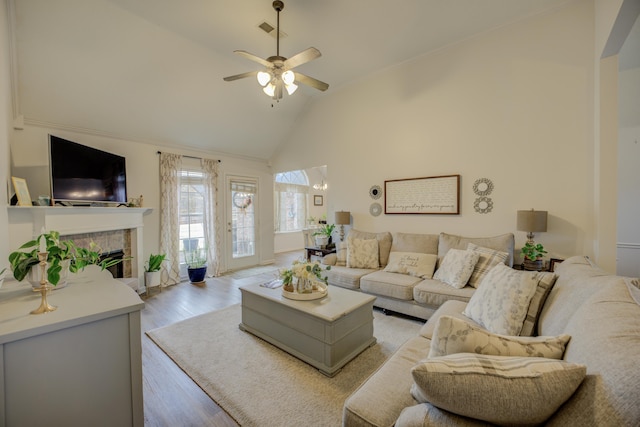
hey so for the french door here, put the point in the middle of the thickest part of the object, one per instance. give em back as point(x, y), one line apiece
point(241, 224)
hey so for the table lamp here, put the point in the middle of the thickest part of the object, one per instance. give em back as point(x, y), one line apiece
point(343, 218)
point(532, 222)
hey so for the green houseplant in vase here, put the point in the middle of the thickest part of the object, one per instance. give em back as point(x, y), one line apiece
point(196, 261)
point(533, 253)
point(323, 235)
point(59, 256)
point(152, 271)
point(83, 257)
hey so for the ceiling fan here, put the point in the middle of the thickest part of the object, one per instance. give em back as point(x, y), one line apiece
point(278, 74)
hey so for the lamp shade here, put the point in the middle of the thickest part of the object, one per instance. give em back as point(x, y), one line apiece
point(532, 221)
point(343, 218)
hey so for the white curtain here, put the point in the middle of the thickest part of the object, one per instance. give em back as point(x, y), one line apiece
point(170, 166)
point(211, 217)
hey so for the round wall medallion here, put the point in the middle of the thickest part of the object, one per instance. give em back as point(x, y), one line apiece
point(483, 187)
point(375, 209)
point(375, 192)
point(483, 205)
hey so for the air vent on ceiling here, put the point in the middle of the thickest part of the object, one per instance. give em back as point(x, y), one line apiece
point(270, 29)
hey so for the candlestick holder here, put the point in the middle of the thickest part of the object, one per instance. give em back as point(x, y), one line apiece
point(45, 307)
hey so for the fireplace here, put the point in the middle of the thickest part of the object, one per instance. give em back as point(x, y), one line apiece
point(117, 270)
point(114, 244)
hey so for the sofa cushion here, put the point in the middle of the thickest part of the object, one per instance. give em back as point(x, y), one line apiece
point(605, 336)
point(362, 253)
point(501, 301)
point(451, 308)
point(427, 415)
point(414, 242)
point(487, 260)
point(346, 277)
point(434, 293)
point(503, 242)
point(497, 389)
point(384, 242)
point(380, 399)
point(456, 267)
point(412, 263)
point(452, 335)
point(394, 285)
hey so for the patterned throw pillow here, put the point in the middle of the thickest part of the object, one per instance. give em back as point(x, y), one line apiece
point(502, 300)
point(412, 263)
point(362, 253)
point(456, 267)
point(498, 389)
point(453, 335)
point(488, 259)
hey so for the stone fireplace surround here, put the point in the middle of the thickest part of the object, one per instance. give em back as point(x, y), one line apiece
point(111, 228)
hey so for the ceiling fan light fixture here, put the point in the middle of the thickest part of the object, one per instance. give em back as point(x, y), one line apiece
point(291, 88)
point(270, 89)
point(288, 77)
point(263, 78)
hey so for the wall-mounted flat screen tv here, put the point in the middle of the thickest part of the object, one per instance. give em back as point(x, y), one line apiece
point(84, 174)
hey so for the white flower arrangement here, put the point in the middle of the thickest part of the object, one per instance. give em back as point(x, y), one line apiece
point(306, 271)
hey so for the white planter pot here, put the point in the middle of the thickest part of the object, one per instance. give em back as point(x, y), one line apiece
point(35, 274)
point(322, 240)
point(152, 278)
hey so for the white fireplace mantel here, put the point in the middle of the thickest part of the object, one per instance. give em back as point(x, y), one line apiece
point(78, 220)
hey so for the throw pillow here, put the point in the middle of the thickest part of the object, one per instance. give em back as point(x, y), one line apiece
point(456, 268)
point(502, 300)
point(487, 260)
point(412, 263)
point(497, 389)
point(362, 253)
point(545, 283)
point(453, 335)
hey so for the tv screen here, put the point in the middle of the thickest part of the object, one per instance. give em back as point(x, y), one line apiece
point(84, 174)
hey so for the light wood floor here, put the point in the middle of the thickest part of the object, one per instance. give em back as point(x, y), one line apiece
point(171, 398)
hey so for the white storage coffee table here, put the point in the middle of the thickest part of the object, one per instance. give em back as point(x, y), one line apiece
point(326, 333)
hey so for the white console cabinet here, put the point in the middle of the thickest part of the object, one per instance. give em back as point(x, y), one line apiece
point(80, 365)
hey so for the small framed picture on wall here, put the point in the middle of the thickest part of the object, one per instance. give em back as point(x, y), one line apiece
point(317, 200)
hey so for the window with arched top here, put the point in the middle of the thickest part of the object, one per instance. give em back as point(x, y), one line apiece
point(291, 190)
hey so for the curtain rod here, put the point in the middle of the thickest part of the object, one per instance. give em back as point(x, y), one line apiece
point(192, 157)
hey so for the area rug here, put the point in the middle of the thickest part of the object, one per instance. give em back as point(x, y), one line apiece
point(261, 385)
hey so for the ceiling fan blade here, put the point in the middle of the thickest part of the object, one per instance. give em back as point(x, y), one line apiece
point(240, 76)
point(302, 58)
point(254, 58)
point(310, 81)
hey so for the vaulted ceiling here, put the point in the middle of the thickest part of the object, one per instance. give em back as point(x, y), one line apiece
point(151, 70)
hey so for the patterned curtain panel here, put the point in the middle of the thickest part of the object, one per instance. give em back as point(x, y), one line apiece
point(211, 220)
point(170, 165)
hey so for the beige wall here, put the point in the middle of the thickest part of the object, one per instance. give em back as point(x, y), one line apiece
point(6, 114)
point(514, 105)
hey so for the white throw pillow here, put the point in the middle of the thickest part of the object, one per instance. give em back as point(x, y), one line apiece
point(363, 253)
point(412, 263)
point(502, 300)
point(456, 267)
point(488, 259)
point(498, 389)
point(452, 335)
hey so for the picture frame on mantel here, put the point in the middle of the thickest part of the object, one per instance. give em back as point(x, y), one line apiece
point(436, 195)
point(22, 191)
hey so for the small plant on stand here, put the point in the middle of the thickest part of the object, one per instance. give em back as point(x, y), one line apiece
point(533, 254)
point(152, 273)
point(323, 235)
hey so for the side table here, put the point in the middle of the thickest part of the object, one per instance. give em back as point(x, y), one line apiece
point(317, 251)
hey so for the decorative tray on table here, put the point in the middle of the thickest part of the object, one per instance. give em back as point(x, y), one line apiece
point(315, 294)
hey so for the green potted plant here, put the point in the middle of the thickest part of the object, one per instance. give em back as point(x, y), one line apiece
point(532, 254)
point(59, 256)
point(196, 261)
point(323, 234)
point(152, 272)
point(82, 257)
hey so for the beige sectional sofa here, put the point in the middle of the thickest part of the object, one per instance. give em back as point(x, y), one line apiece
point(599, 311)
point(405, 293)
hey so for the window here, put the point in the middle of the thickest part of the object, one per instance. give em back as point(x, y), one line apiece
point(191, 208)
point(290, 200)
